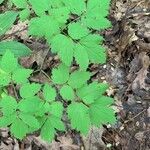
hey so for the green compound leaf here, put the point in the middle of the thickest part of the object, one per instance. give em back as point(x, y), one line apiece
point(20, 3)
point(67, 93)
point(24, 14)
point(21, 75)
point(64, 46)
point(60, 75)
point(90, 93)
point(49, 93)
point(8, 105)
point(39, 7)
point(29, 90)
point(77, 30)
point(8, 62)
point(79, 117)
point(81, 56)
point(16, 48)
point(19, 129)
point(101, 115)
point(29, 105)
point(7, 120)
point(78, 79)
point(76, 6)
point(30, 120)
point(7, 20)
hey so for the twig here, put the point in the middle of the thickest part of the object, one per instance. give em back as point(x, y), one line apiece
point(4, 37)
point(135, 116)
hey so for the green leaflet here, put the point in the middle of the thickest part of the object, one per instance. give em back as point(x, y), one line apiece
point(49, 93)
point(60, 14)
point(67, 93)
point(101, 115)
point(20, 3)
point(64, 46)
point(56, 3)
point(90, 93)
point(79, 116)
point(15, 47)
point(24, 14)
point(77, 30)
point(7, 120)
point(76, 7)
point(56, 109)
point(30, 120)
point(29, 90)
point(104, 101)
point(8, 62)
point(60, 75)
point(78, 79)
point(81, 56)
point(37, 24)
point(19, 129)
point(40, 8)
point(7, 20)
point(47, 131)
point(8, 105)
point(97, 24)
point(29, 105)
point(5, 78)
point(53, 122)
point(21, 75)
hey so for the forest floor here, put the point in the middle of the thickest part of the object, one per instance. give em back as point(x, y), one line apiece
point(127, 71)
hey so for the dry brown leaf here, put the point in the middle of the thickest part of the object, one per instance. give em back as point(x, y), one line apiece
point(142, 74)
point(67, 143)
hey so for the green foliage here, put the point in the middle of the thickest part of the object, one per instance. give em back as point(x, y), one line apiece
point(7, 19)
point(60, 75)
point(67, 92)
point(29, 90)
point(49, 93)
point(20, 3)
point(1, 1)
point(10, 70)
point(15, 47)
point(70, 28)
point(78, 114)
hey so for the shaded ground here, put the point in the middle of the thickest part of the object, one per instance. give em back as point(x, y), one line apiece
point(127, 71)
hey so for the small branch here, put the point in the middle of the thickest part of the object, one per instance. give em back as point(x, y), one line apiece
point(4, 37)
